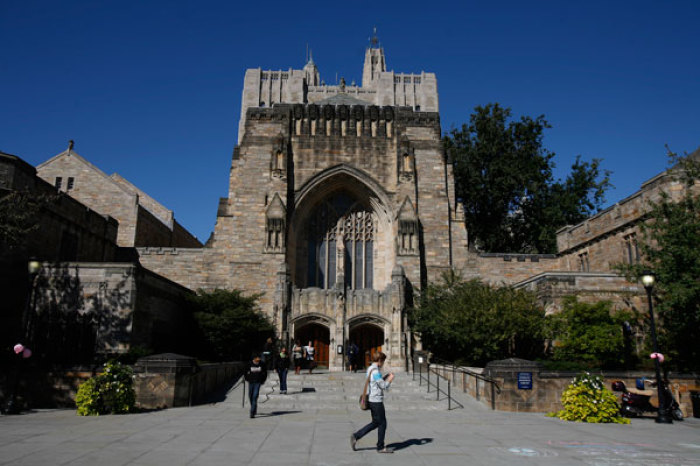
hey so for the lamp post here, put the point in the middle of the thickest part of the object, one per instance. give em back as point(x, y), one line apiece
point(662, 417)
point(21, 351)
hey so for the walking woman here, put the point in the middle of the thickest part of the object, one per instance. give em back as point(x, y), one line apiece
point(310, 355)
point(282, 369)
point(377, 385)
point(298, 356)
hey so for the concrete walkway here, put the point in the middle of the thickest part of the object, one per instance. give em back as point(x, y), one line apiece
point(222, 434)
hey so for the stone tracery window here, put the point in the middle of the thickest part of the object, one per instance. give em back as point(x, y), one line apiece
point(341, 237)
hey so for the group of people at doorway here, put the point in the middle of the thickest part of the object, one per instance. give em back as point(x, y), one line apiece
point(372, 397)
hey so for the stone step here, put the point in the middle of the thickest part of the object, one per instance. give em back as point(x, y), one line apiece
point(341, 391)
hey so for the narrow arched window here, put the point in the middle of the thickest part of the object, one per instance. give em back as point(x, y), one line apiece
point(341, 234)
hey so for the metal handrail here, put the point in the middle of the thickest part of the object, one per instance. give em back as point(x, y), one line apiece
point(495, 388)
point(438, 390)
point(456, 368)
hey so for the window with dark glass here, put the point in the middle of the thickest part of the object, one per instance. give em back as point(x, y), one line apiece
point(341, 229)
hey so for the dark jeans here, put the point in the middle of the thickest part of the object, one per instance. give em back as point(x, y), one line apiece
point(378, 421)
point(283, 379)
point(253, 392)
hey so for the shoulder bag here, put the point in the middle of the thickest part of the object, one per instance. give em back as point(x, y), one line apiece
point(364, 398)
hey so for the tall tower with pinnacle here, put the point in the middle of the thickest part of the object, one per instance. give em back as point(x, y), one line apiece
point(311, 74)
point(375, 63)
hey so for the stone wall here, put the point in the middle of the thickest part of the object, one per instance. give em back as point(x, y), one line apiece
point(509, 269)
point(189, 267)
point(160, 381)
point(61, 221)
point(40, 388)
point(142, 220)
point(547, 386)
point(172, 380)
point(265, 88)
point(95, 189)
point(552, 287)
point(611, 236)
point(129, 306)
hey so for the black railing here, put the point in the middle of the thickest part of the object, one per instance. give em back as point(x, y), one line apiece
point(436, 384)
point(444, 367)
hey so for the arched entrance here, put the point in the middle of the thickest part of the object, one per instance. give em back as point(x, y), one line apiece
point(320, 336)
point(369, 338)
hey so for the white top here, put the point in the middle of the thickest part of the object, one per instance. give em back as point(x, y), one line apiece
point(309, 351)
point(377, 384)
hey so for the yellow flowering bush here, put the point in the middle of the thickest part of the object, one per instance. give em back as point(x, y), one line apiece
point(587, 400)
point(110, 392)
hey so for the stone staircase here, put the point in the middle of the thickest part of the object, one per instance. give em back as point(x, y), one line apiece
point(341, 391)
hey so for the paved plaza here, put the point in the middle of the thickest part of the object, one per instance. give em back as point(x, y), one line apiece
point(312, 426)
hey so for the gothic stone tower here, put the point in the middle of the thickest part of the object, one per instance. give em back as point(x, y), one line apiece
point(340, 205)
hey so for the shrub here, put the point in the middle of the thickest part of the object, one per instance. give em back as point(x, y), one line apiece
point(590, 334)
point(475, 323)
point(587, 400)
point(231, 324)
point(110, 392)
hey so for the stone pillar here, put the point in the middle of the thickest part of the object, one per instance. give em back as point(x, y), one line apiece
point(508, 373)
point(164, 380)
point(397, 339)
point(282, 303)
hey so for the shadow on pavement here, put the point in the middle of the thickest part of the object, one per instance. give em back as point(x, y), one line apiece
point(276, 413)
point(409, 443)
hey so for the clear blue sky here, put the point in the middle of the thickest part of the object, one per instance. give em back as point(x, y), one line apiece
point(151, 89)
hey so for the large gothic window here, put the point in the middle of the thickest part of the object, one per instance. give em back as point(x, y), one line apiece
point(341, 237)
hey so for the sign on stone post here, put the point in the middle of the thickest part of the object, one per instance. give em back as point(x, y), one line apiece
point(524, 380)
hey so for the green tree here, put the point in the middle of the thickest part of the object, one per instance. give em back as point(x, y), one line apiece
point(230, 323)
point(18, 213)
point(588, 333)
point(670, 247)
point(504, 177)
point(474, 323)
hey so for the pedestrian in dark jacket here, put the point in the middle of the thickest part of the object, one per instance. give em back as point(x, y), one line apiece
point(268, 354)
point(282, 366)
point(255, 375)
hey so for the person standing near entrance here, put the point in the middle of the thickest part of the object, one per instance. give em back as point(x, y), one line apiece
point(282, 366)
point(377, 385)
point(298, 355)
point(255, 375)
point(353, 353)
point(310, 352)
point(268, 352)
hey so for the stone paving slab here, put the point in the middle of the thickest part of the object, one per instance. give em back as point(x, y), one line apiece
point(222, 434)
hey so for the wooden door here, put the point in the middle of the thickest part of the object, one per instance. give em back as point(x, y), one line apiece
point(320, 336)
point(369, 338)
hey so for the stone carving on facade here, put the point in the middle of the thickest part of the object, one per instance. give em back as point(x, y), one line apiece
point(275, 226)
point(278, 162)
point(406, 162)
point(408, 229)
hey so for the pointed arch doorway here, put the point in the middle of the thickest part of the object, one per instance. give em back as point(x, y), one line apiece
point(370, 339)
point(319, 335)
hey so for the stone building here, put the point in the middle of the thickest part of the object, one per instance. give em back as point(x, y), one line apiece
point(143, 221)
point(84, 300)
point(590, 250)
point(340, 203)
